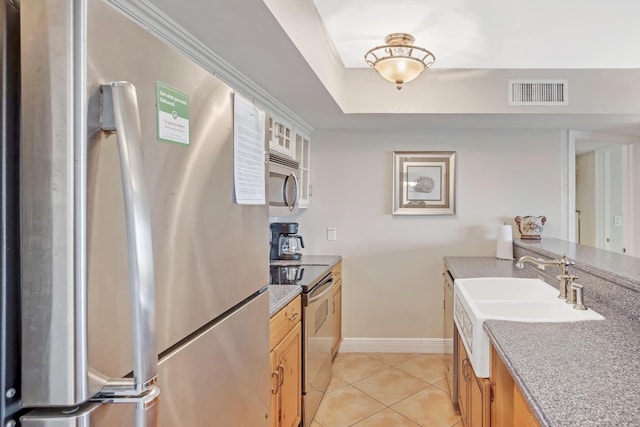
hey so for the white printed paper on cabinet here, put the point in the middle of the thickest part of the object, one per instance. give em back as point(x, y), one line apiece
point(248, 152)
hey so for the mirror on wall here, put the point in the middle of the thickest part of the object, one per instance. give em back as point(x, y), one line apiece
point(602, 201)
point(601, 187)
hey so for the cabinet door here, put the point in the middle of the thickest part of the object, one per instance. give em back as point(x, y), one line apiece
point(463, 380)
point(280, 137)
point(479, 401)
point(502, 388)
point(337, 318)
point(303, 154)
point(522, 415)
point(275, 385)
point(288, 354)
point(475, 398)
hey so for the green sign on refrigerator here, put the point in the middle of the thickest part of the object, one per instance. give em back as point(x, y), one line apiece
point(173, 114)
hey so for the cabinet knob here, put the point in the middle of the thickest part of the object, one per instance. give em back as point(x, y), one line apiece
point(293, 317)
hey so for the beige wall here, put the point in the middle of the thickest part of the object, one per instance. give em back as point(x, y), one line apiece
point(393, 264)
point(586, 197)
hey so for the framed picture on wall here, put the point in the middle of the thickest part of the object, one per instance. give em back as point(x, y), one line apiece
point(424, 183)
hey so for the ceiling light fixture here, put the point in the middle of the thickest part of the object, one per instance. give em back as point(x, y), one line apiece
point(399, 61)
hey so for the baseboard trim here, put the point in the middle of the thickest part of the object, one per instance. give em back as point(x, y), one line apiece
point(396, 345)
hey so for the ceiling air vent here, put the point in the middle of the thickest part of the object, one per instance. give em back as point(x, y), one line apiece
point(538, 92)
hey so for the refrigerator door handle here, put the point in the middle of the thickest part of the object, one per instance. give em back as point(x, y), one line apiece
point(119, 113)
point(148, 409)
point(95, 413)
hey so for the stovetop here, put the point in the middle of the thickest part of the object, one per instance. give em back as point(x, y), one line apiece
point(306, 276)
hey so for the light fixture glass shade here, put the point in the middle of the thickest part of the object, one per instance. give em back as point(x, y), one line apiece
point(399, 70)
point(398, 61)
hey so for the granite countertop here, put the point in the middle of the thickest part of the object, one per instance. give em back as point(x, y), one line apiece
point(468, 267)
point(574, 374)
point(281, 295)
point(571, 374)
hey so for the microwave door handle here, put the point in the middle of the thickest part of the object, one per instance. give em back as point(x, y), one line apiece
point(285, 187)
point(284, 190)
point(295, 191)
point(119, 113)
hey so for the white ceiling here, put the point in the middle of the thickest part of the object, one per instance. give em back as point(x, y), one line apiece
point(492, 33)
point(284, 47)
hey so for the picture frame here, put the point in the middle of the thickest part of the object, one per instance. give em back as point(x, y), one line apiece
point(424, 183)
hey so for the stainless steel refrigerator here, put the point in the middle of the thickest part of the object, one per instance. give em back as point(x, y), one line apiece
point(141, 284)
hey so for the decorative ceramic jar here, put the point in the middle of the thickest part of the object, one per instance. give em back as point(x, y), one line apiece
point(530, 227)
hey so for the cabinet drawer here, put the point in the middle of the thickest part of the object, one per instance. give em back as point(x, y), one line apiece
point(282, 322)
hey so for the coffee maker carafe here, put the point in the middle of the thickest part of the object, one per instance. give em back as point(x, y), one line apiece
point(286, 243)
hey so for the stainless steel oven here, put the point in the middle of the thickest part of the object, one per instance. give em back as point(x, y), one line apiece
point(317, 324)
point(317, 328)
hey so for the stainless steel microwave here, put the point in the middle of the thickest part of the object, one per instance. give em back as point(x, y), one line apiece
point(284, 185)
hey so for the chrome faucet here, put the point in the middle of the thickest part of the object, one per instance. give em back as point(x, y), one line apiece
point(566, 279)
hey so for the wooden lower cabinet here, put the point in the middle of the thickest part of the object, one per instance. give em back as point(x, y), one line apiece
point(337, 308)
point(461, 362)
point(508, 407)
point(502, 389)
point(286, 366)
point(522, 415)
point(473, 393)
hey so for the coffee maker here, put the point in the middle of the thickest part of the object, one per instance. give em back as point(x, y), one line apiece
point(286, 243)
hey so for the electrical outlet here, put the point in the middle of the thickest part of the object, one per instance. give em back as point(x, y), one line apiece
point(331, 234)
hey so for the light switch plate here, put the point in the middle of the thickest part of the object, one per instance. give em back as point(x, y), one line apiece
point(331, 234)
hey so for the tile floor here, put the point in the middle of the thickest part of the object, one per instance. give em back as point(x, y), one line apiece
point(387, 390)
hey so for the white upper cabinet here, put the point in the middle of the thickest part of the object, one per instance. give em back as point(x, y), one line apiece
point(303, 156)
point(292, 142)
point(280, 135)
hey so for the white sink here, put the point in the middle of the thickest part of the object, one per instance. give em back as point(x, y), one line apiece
point(506, 288)
point(506, 298)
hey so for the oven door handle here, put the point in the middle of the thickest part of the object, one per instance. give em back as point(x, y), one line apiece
point(328, 285)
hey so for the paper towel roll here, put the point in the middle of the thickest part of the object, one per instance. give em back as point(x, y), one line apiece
point(504, 244)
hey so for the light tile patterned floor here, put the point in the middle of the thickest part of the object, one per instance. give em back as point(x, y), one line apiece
point(387, 390)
